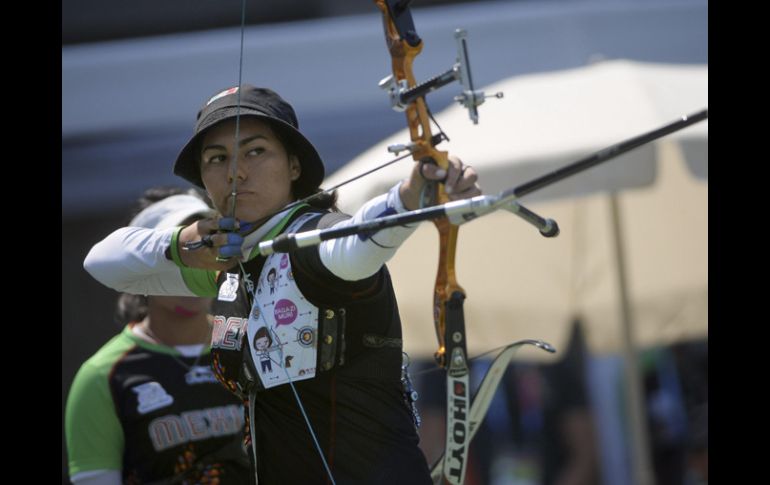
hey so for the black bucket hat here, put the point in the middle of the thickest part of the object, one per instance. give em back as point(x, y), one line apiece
point(262, 103)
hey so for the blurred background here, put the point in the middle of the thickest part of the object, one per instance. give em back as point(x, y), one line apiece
point(135, 73)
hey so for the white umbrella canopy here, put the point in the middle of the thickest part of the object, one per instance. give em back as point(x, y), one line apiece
point(521, 285)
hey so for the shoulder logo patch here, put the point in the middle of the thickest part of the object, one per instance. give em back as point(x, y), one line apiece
point(151, 396)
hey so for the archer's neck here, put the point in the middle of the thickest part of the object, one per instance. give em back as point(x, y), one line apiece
point(172, 329)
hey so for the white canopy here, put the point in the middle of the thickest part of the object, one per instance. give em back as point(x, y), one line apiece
point(521, 285)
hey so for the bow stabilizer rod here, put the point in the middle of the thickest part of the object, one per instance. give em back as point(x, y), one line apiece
point(458, 212)
point(609, 153)
point(462, 211)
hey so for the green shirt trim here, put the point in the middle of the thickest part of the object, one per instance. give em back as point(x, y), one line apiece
point(203, 282)
point(93, 432)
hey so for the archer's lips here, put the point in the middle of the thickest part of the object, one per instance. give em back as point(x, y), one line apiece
point(180, 310)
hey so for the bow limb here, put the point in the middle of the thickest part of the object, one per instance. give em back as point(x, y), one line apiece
point(403, 52)
point(486, 392)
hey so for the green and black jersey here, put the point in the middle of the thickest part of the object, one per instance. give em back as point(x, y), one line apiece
point(154, 414)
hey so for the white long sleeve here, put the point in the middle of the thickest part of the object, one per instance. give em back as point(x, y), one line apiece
point(132, 260)
point(353, 258)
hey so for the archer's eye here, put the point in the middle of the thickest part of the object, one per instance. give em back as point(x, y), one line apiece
point(215, 159)
point(255, 152)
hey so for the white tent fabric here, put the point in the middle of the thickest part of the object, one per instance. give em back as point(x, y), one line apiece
point(521, 285)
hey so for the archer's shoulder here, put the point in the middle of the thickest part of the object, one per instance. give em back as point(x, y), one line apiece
point(324, 219)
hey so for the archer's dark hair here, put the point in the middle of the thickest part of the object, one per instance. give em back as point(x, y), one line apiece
point(133, 308)
point(321, 200)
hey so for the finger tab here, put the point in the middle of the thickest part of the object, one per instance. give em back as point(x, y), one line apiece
point(228, 224)
point(234, 239)
point(229, 251)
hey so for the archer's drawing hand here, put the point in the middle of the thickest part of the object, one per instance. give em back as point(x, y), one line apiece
point(211, 244)
point(460, 182)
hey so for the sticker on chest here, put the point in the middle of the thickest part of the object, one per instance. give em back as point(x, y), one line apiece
point(228, 291)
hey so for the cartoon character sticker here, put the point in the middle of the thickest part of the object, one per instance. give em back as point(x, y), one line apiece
point(272, 276)
point(262, 344)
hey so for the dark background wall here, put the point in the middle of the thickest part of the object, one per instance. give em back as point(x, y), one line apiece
point(98, 20)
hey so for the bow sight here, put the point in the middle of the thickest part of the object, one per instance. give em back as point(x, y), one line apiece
point(401, 95)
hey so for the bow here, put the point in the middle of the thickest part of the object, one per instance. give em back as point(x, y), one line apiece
point(406, 95)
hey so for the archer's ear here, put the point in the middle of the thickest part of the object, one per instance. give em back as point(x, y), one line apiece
point(295, 168)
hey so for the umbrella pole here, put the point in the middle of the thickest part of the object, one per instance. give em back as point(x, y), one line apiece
point(641, 463)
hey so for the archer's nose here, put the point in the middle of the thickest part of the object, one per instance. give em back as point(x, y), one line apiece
point(238, 168)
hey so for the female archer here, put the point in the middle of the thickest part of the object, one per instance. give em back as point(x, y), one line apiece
point(335, 409)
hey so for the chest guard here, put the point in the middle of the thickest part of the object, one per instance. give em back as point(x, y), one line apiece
point(276, 334)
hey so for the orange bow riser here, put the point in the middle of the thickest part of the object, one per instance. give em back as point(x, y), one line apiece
point(404, 45)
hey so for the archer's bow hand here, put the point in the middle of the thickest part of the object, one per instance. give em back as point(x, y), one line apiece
point(460, 182)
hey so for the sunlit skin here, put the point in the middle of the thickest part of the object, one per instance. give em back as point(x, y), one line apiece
point(264, 171)
point(178, 320)
point(182, 306)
